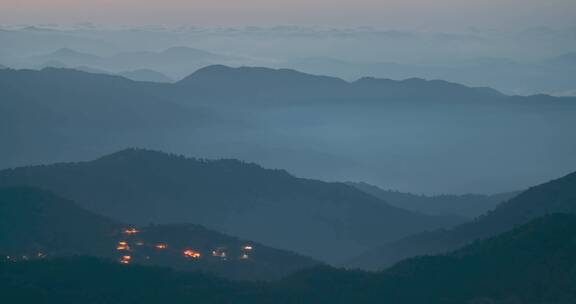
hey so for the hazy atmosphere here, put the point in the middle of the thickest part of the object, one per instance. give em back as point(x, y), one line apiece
point(417, 14)
point(288, 151)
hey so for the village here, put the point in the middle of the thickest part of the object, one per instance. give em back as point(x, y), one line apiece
point(131, 246)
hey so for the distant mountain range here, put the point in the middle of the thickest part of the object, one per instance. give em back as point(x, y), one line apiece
point(550, 75)
point(66, 107)
point(519, 66)
point(288, 119)
point(175, 61)
point(170, 56)
point(557, 196)
point(274, 86)
point(70, 56)
point(328, 221)
point(531, 264)
point(136, 75)
point(146, 75)
point(467, 205)
point(36, 224)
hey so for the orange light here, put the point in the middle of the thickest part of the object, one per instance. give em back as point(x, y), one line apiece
point(189, 253)
point(131, 231)
point(125, 259)
point(161, 246)
point(122, 246)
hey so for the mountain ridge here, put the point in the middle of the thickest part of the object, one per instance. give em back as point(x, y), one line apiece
point(260, 82)
point(36, 224)
point(555, 196)
point(532, 263)
point(466, 205)
point(146, 186)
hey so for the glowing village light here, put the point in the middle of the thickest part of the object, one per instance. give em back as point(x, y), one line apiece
point(122, 246)
point(161, 246)
point(189, 253)
point(125, 259)
point(131, 231)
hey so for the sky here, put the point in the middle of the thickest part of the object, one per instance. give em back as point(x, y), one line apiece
point(421, 14)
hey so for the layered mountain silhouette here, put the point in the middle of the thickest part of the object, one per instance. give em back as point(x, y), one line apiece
point(276, 85)
point(531, 264)
point(467, 205)
point(37, 224)
point(328, 221)
point(35, 221)
point(175, 61)
point(512, 77)
point(146, 75)
point(57, 108)
point(70, 56)
point(280, 117)
point(556, 196)
point(173, 55)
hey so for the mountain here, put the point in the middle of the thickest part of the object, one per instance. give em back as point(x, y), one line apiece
point(88, 69)
point(533, 263)
point(36, 224)
point(508, 76)
point(314, 126)
point(556, 196)
point(3, 67)
point(275, 85)
point(55, 64)
point(45, 112)
point(466, 205)
point(176, 62)
point(91, 281)
point(136, 75)
point(328, 221)
point(146, 75)
point(187, 53)
point(33, 221)
point(69, 57)
point(172, 55)
point(69, 54)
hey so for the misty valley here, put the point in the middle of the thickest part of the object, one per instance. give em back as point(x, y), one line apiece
point(287, 164)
